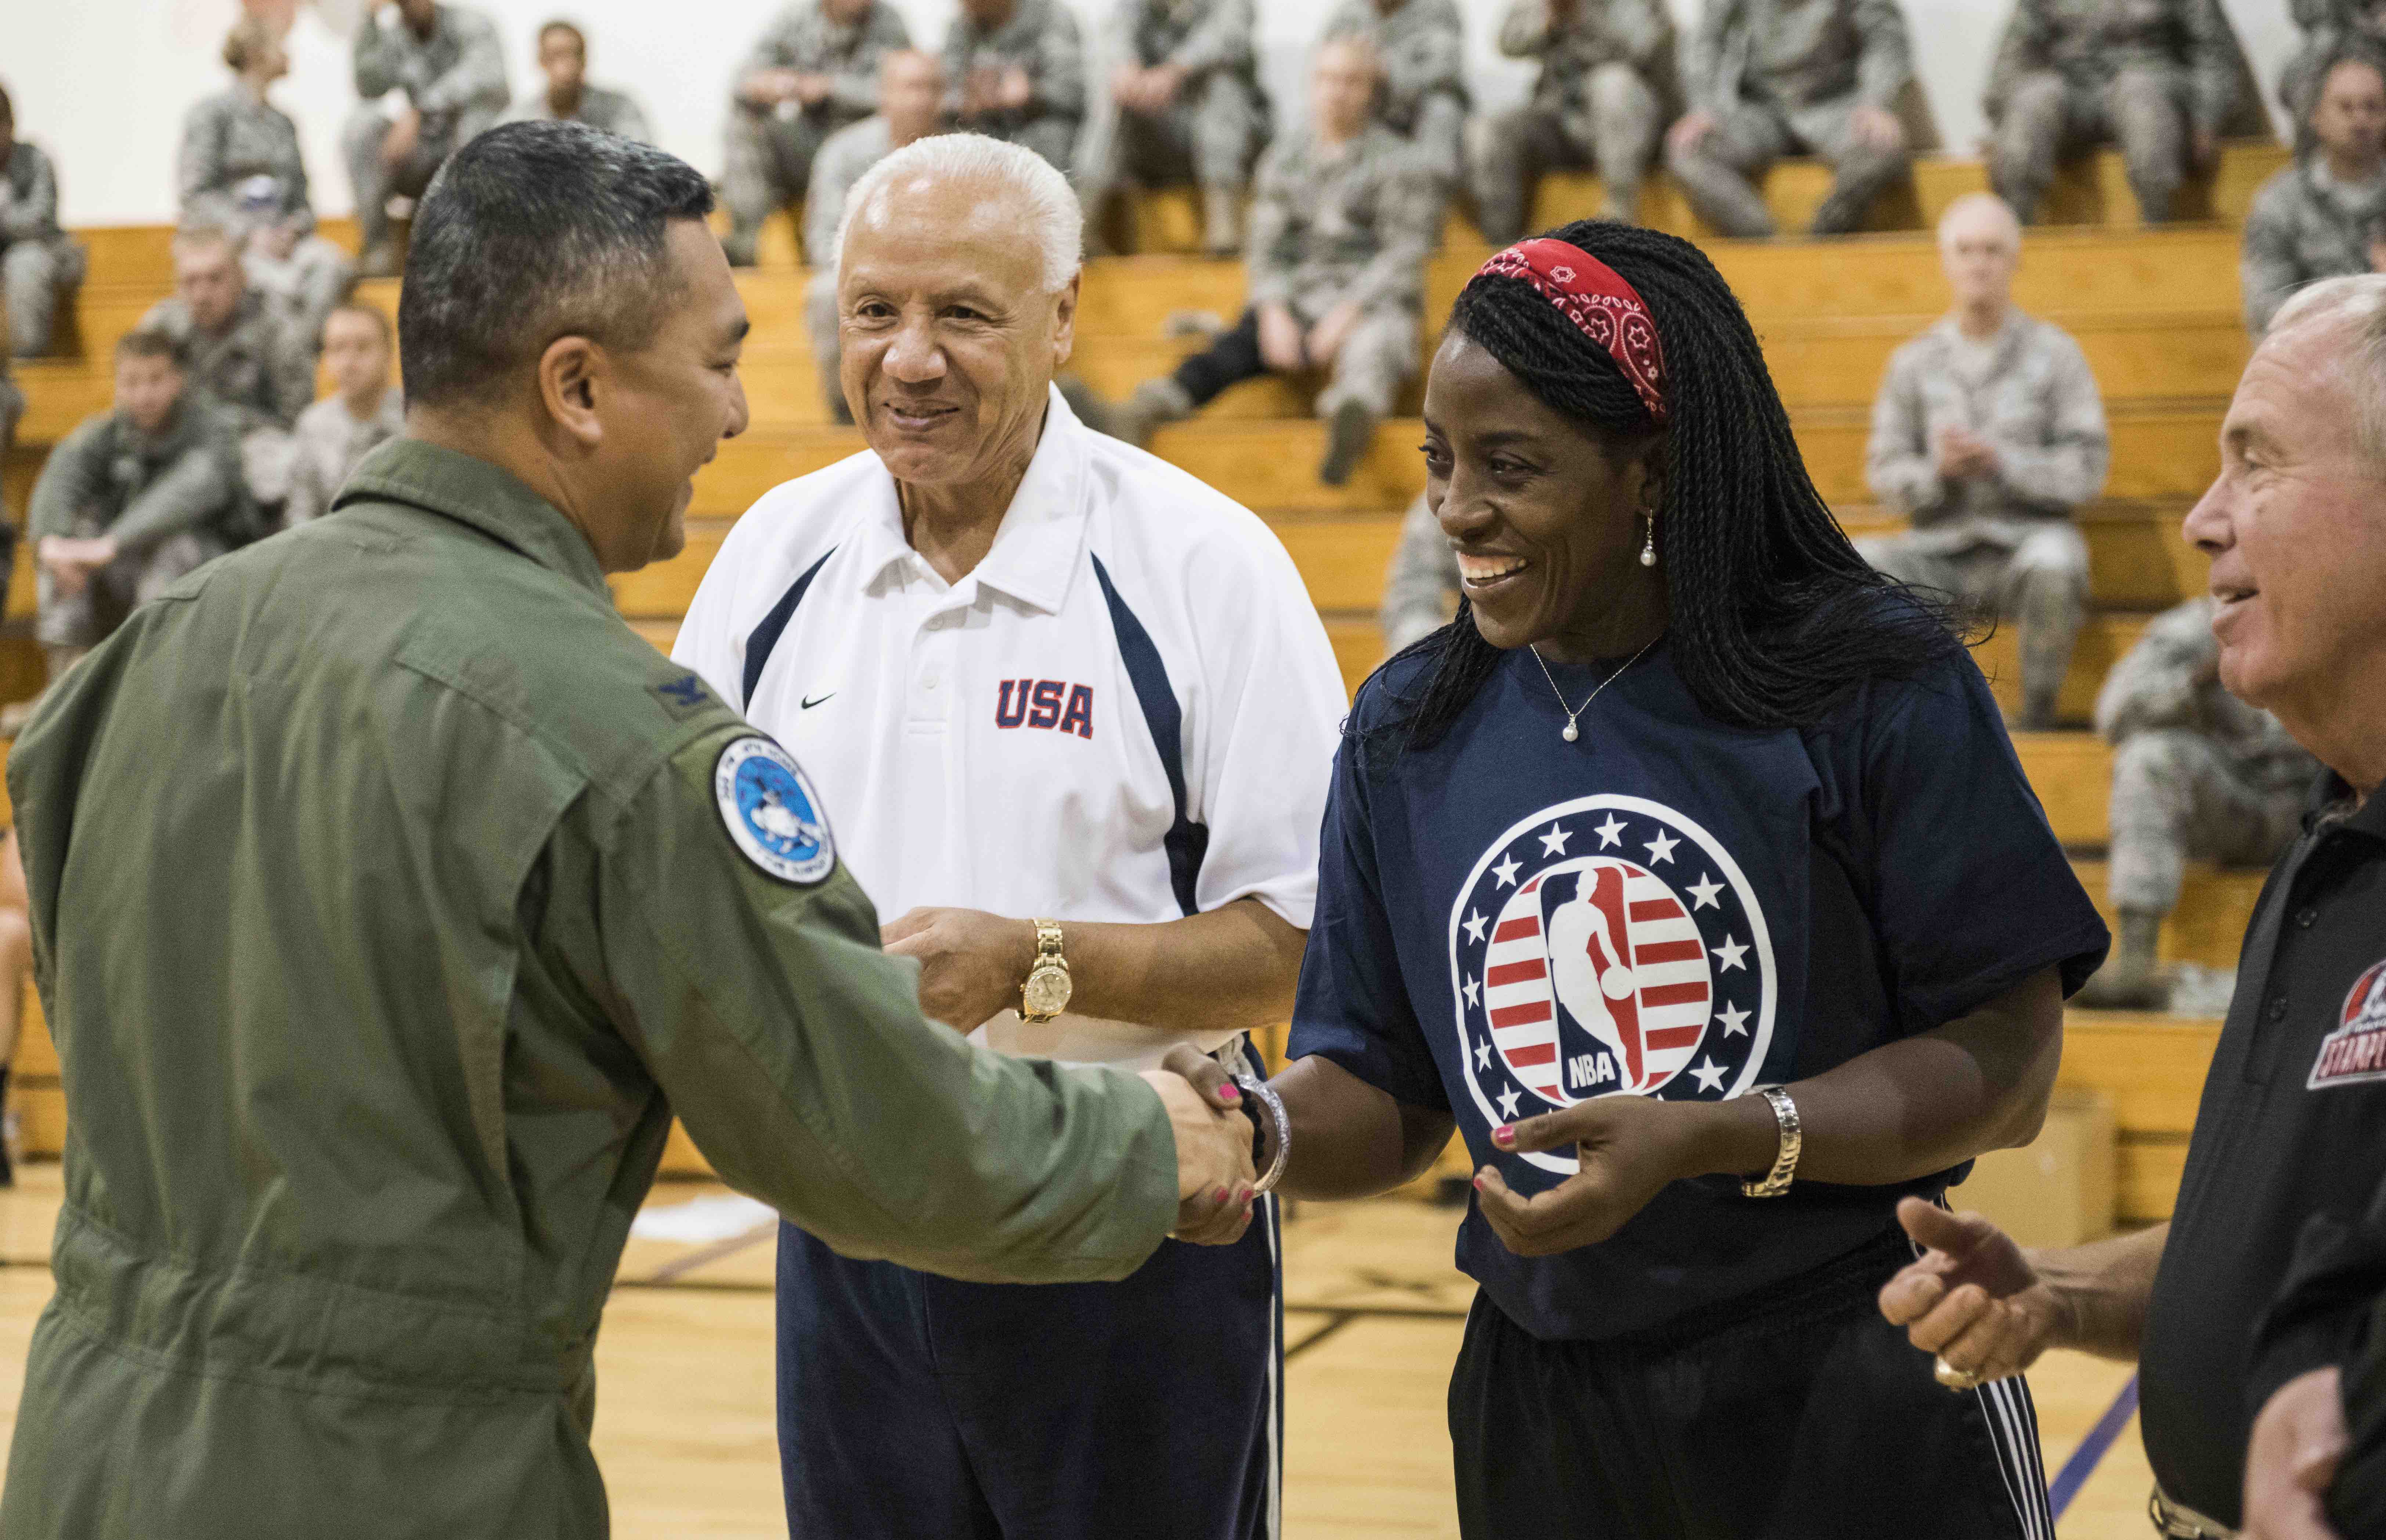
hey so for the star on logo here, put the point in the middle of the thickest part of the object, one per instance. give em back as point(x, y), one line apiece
point(1554, 842)
point(1730, 953)
point(1708, 1073)
point(1735, 1022)
point(1483, 1055)
point(1473, 990)
point(1506, 871)
point(1475, 924)
point(1609, 832)
point(1508, 1100)
point(1661, 848)
point(1704, 891)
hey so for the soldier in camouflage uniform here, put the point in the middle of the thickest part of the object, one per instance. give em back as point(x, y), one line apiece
point(240, 169)
point(2197, 775)
point(1609, 84)
point(242, 352)
point(1015, 71)
point(564, 59)
point(130, 501)
point(1421, 587)
point(1183, 106)
point(1344, 220)
point(447, 60)
point(2156, 77)
point(1770, 78)
point(2320, 217)
point(1988, 433)
point(39, 266)
point(814, 71)
point(2332, 29)
point(1422, 48)
point(911, 103)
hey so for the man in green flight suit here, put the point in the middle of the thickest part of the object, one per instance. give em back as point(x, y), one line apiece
point(389, 897)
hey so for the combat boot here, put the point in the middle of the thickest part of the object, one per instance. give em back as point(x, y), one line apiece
point(1349, 433)
point(1154, 405)
point(2132, 979)
point(1222, 221)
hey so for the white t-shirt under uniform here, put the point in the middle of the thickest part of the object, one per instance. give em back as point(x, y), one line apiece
point(1127, 712)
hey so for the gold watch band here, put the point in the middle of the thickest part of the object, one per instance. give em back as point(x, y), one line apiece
point(1044, 993)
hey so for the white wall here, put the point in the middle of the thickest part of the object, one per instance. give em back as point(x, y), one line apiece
point(103, 84)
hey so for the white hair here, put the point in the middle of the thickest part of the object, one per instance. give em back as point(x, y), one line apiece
point(1055, 222)
point(2356, 305)
point(1982, 202)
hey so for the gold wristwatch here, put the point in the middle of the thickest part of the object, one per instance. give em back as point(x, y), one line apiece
point(1045, 992)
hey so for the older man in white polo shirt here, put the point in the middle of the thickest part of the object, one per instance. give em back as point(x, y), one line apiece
point(1073, 717)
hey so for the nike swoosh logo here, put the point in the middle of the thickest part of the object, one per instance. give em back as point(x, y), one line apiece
point(811, 701)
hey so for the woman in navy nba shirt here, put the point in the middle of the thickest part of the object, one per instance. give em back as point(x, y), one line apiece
point(1690, 872)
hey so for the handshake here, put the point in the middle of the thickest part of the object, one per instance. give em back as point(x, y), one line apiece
point(1217, 1182)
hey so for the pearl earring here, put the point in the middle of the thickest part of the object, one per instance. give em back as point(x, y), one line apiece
point(1648, 546)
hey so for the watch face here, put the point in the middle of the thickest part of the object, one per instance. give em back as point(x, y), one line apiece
point(1048, 992)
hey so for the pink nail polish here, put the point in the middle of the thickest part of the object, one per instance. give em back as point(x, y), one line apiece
point(1479, 1184)
point(1230, 1093)
point(1504, 1135)
point(1221, 1197)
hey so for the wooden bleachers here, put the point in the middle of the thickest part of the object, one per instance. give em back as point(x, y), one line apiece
point(2157, 311)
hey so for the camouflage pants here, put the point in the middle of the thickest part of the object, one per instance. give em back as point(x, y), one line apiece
point(1053, 138)
point(769, 166)
point(88, 618)
point(34, 275)
point(2177, 798)
point(1378, 358)
point(1617, 133)
point(2041, 583)
point(376, 183)
point(1438, 129)
point(2047, 119)
point(1720, 172)
point(820, 329)
point(307, 286)
point(1208, 138)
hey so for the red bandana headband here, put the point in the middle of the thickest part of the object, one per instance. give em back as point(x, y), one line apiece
point(1600, 304)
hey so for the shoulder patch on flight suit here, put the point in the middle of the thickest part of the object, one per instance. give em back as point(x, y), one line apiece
point(683, 695)
point(772, 812)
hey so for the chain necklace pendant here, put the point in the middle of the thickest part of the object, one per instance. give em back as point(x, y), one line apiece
point(1572, 733)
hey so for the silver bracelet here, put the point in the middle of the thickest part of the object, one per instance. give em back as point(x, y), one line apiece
point(1264, 1094)
point(1785, 1162)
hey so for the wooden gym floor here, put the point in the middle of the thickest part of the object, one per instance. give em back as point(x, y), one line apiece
point(684, 1426)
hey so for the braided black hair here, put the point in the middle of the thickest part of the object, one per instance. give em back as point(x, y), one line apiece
point(1775, 621)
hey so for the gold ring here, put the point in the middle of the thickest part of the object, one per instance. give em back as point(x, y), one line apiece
point(1953, 1378)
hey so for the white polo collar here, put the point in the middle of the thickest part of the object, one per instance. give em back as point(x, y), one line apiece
point(1034, 557)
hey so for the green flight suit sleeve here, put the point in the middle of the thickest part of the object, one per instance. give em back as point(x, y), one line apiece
point(794, 1050)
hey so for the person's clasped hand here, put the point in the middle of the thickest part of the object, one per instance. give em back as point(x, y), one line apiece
point(1214, 1176)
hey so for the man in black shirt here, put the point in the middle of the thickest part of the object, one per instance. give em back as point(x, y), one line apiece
point(2243, 1297)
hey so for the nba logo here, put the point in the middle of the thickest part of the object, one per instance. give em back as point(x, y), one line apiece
point(1608, 946)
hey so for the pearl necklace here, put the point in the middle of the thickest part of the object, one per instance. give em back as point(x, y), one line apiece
point(1572, 732)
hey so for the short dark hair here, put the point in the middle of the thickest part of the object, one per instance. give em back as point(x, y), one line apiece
point(369, 312)
point(143, 342)
point(532, 232)
point(559, 25)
